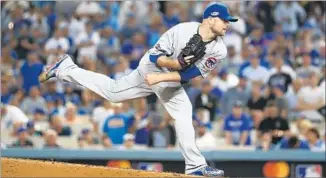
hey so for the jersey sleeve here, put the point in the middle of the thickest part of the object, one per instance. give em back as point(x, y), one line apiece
point(165, 45)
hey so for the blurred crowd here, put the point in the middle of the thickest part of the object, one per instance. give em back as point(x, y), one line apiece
point(268, 94)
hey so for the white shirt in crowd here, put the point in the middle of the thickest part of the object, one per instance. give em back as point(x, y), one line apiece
point(311, 95)
point(13, 114)
point(89, 8)
point(207, 141)
point(231, 81)
point(75, 28)
point(287, 15)
point(259, 73)
point(100, 114)
point(89, 51)
point(286, 69)
point(55, 43)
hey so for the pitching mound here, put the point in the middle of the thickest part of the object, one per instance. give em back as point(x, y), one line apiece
point(33, 168)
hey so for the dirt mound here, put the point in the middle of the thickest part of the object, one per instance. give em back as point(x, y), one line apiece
point(35, 168)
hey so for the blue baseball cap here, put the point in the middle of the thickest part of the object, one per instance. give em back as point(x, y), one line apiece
point(218, 10)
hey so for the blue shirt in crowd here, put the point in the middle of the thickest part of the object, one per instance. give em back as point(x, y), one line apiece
point(115, 127)
point(285, 145)
point(30, 73)
point(142, 132)
point(237, 126)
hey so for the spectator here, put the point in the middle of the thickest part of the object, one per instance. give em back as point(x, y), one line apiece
point(311, 97)
point(87, 105)
point(265, 142)
point(130, 28)
point(87, 9)
point(292, 96)
point(106, 141)
point(33, 101)
point(52, 93)
point(18, 97)
point(265, 14)
point(313, 138)
point(86, 138)
point(39, 29)
point(287, 13)
point(64, 27)
point(129, 142)
point(234, 60)
point(87, 43)
point(162, 133)
point(251, 22)
point(51, 15)
point(116, 125)
point(39, 115)
point(274, 124)
point(25, 43)
point(99, 115)
point(255, 72)
point(237, 126)
point(50, 139)
point(139, 124)
point(202, 116)
point(11, 114)
point(154, 29)
point(56, 46)
point(122, 68)
point(71, 116)
point(139, 9)
point(138, 49)
point(280, 100)
point(6, 93)
point(30, 70)
point(293, 143)
point(56, 123)
point(70, 94)
point(170, 17)
point(32, 130)
point(109, 43)
point(205, 139)
point(206, 101)
point(240, 92)
point(283, 47)
point(13, 18)
point(306, 69)
point(76, 26)
point(23, 140)
point(222, 81)
point(256, 103)
point(302, 126)
point(281, 74)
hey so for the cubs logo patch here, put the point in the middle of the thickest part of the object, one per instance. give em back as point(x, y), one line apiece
point(210, 63)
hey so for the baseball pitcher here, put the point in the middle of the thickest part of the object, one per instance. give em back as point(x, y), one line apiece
point(185, 51)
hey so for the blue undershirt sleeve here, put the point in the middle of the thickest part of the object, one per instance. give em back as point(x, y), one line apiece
point(189, 73)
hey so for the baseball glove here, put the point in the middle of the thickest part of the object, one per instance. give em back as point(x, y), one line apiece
point(194, 50)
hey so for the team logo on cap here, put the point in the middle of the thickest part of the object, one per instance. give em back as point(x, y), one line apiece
point(211, 63)
point(214, 13)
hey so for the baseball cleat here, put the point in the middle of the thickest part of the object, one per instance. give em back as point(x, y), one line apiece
point(208, 172)
point(51, 70)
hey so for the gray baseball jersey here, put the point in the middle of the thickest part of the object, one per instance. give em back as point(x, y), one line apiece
point(174, 40)
point(171, 94)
